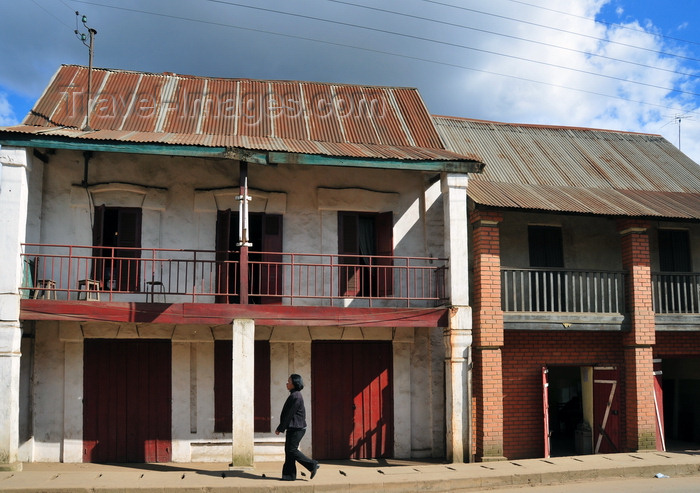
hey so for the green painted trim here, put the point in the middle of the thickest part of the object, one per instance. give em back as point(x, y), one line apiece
point(125, 147)
point(413, 165)
point(250, 156)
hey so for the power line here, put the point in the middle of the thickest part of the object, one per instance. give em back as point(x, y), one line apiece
point(674, 55)
point(609, 24)
point(510, 36)
point(454, 45)
point(383, 52)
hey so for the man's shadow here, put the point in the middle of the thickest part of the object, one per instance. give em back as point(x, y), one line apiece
point(170, 468)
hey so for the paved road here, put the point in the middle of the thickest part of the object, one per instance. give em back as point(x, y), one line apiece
point(635, 485)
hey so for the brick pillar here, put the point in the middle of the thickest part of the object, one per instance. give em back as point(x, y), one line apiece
point(488, 335)
point(638, 342)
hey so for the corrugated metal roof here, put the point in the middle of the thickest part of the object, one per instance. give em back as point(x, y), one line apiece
point(287, 116)
point(576, 169)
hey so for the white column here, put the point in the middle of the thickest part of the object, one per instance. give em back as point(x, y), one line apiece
point(458, 333)
point(14, 195)
point(243, 378)
point(402, 345)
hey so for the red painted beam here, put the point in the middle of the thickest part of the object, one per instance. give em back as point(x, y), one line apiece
point(218, 314)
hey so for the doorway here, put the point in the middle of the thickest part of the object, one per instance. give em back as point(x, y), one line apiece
point(681, 403)
point(581, 407)
point(127, 401)
point(565, 406)
point(352, 395)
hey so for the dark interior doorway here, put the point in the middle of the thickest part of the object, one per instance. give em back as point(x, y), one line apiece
point(565, 409)
point(681, 401)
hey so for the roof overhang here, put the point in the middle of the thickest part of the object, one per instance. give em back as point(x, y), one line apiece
point(238, 154)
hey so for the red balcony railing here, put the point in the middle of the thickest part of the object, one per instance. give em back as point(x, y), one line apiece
point(69, 272)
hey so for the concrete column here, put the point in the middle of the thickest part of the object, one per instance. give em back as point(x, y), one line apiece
point(243, 378)
point(402, 346)
point(458, 340)
point(638, 343)
point(14, 195)
point(458, 333)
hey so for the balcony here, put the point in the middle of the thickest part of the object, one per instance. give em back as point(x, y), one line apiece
point(585, 299)
point(86, 273)
point(676, 292)
point(556, 299)
point(559, 290)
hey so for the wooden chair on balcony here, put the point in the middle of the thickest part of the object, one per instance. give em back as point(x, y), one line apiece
point(45, 289)
point(89, 289)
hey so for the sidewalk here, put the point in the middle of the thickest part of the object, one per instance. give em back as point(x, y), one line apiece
point(355, 476)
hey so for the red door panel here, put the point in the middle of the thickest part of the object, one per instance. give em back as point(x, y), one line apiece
point(606, 410)
point(545, 405)
point(352, 400)
point(659, 406)
point(126, 405)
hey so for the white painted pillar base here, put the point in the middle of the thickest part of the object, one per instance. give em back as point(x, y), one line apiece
point(13, 222)
point(458, 340)
point(402, 345)
point(243, 378)
point(10, 340)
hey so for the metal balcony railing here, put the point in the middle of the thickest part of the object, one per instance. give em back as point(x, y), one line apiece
point(70, 272)
point(559, 290)
point(676, 292)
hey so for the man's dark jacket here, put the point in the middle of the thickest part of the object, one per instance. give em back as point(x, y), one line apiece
point(293, 412)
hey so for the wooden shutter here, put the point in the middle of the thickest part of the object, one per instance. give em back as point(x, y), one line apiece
point(384, 274)
point(128, 235)
point(348, 244)
point(674, 250)
point(546, 248)
point(98, 263)
point(223, 232)
point(271, 275)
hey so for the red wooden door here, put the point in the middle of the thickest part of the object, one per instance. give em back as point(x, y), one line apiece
point(352, 399)
point(606, 410)
point(126, 404)
point(545, 405)
point(659, 406)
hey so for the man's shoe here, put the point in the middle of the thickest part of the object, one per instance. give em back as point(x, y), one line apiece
point(287, 478)
point(314, 470)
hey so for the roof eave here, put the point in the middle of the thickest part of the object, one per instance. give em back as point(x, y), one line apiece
point(240, 154)
point(451, 166)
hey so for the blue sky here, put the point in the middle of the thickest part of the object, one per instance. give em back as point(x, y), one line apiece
point(618, 64)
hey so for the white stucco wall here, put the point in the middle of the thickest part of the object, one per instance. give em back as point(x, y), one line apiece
point(179, 198)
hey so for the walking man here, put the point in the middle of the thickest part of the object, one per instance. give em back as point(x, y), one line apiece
point(293, 423)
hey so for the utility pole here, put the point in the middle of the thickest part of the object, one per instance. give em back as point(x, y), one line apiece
point(82, 37)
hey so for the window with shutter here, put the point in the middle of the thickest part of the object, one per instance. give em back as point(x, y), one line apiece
point(117, 241)
point(365, 246)
point(265, 270)
point(547, 253)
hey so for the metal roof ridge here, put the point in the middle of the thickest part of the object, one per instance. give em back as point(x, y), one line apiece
point(207, 77)
point(542, 125)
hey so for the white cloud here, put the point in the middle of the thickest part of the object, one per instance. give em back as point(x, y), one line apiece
point(7, 115)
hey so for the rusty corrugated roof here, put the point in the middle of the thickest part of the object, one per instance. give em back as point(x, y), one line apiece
point(286, 116)
point(576, 169)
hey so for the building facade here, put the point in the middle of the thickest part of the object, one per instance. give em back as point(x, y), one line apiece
point(585, 246)
point(185, 246)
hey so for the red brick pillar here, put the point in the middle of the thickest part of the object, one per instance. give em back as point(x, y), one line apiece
point(638, 342)
point(488, 336)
